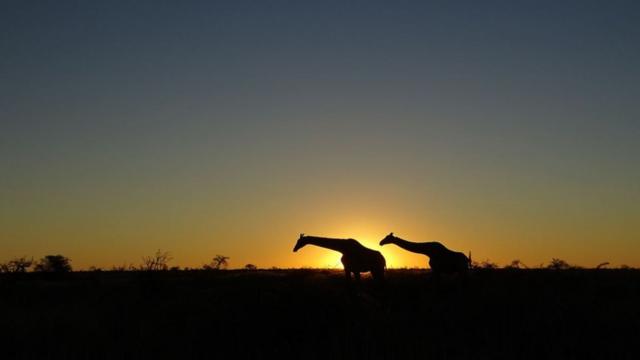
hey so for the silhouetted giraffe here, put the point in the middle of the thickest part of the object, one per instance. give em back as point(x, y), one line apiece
point(355, 257)
point(441, 259)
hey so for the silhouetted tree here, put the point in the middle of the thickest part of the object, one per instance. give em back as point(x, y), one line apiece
point(17, 265)
point(158, 261)
point(487, 264)
point(218, 262)
point(602, 265)
point(558, 264)
point(250, 267)
point(54, 264)
point(516, 264)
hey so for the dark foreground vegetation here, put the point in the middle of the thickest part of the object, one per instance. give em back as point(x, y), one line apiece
point(522, 314)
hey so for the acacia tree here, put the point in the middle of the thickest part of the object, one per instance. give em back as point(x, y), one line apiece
point(488, 264)
point(54, 264)
point(516, 264)
point(558, 264)
point(158, 261)
point(16, 265)
point(218, 262)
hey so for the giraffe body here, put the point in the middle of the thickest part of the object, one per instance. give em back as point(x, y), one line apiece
point(441, 259)
point(356, 258)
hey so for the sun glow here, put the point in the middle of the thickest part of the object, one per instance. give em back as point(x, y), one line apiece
point(369, 239)
point(331, 260)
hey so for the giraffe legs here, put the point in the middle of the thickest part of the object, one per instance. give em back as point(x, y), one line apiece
point(356, 275)
point(378, 275)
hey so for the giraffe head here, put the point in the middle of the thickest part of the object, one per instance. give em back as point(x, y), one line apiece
point(387, 239)
point(301, 242)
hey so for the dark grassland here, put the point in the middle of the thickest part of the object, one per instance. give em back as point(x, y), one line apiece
point(496, 314)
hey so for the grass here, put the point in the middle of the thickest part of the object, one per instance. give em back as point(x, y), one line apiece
point(526, 314)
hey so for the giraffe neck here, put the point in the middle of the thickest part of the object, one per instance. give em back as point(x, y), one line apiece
point(429, 248)
point(339, 245)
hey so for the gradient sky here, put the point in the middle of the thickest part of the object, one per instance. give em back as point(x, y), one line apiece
point(509, 129)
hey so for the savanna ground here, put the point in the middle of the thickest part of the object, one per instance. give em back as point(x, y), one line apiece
point(522, 314)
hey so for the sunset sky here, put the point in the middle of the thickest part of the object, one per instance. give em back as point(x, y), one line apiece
point(508, 129)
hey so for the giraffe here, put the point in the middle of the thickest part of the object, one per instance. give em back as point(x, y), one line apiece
point(441, 259)
point(355, 257)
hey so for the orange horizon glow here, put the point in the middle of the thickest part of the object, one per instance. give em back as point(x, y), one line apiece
point(310, 256)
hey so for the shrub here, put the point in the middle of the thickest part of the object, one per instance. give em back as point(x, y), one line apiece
point(516, 264)
point(17, 265)
point(157, 262)
point(558, 264)
point(487, 264)
point(54, 264)
point(217, 263)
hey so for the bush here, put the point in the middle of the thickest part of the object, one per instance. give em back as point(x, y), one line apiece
point(516, 264)
point(157, 262)
point(54, 264)
point(487, 264)
point(218, 262)
point(558, 264)
point(17, 265)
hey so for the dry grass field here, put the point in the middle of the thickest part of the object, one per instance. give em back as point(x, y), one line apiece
point(311, 314)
